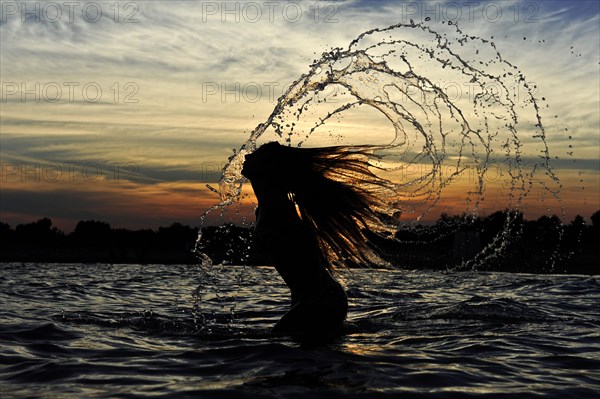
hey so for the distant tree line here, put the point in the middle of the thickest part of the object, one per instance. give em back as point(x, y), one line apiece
point(97, 241)
point(545, 245)
point(502, 241)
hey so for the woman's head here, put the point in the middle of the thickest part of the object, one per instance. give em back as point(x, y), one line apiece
point(265, 163)
point(337, 194)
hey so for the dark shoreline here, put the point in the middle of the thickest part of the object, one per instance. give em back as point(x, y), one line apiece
point(543, 246)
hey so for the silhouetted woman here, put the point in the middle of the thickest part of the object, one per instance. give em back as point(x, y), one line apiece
point(314, 206)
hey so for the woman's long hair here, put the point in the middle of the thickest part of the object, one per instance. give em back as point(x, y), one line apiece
point(340, 199)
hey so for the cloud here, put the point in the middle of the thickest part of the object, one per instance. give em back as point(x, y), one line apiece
point(174, 51)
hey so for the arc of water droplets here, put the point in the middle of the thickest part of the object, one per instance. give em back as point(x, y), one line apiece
point(394, 71)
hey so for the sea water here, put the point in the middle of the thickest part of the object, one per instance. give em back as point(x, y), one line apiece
point(139, 331)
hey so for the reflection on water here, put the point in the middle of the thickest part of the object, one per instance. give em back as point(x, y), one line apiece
point(75, 331)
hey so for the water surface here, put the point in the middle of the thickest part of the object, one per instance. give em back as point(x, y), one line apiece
point(129, 331)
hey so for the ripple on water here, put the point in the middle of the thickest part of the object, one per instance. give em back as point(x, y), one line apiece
point(414, 334)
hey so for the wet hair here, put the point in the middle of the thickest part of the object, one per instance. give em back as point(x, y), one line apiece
point(338, 196)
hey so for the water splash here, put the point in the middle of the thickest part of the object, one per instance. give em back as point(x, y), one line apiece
point(465, 129)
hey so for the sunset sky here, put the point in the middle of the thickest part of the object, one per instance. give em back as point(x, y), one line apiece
point(124, 111)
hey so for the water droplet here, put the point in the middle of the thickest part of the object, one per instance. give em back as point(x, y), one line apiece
point(418, 195)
